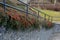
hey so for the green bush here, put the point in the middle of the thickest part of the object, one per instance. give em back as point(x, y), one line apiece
point(2, 19)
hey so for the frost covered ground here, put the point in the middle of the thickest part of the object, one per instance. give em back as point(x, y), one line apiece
point(41, 34)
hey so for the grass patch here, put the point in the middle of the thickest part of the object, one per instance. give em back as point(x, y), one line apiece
point(55, 14)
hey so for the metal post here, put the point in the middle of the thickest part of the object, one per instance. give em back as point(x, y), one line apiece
point(38, 18)
point(51, 19)
point(26, 13)
point(48, 18)
point(26, 10)
point(44, 17)
point(4, 6)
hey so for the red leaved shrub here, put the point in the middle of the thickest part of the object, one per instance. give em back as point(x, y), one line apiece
point(18, 17)
point(49, 24)
point(32, 21)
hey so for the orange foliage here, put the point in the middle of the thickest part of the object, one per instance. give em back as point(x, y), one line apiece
point(32, 21)
point(49, 24)
point(18, 17)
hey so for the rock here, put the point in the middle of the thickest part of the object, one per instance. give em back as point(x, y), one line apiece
point(2, 29)
point(0, 34)
point(19, 38)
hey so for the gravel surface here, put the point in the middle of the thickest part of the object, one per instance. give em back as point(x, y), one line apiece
point(41, 34)
point(55, 36)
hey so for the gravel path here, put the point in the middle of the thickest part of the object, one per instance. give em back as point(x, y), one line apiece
point(32, 35)
point(55, 36)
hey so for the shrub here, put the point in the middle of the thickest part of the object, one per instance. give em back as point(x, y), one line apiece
point(47, 25)
point(36, 24)
point(17, 22)
point(3, 19)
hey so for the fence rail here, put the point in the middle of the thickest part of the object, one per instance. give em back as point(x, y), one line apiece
point(37, 13)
